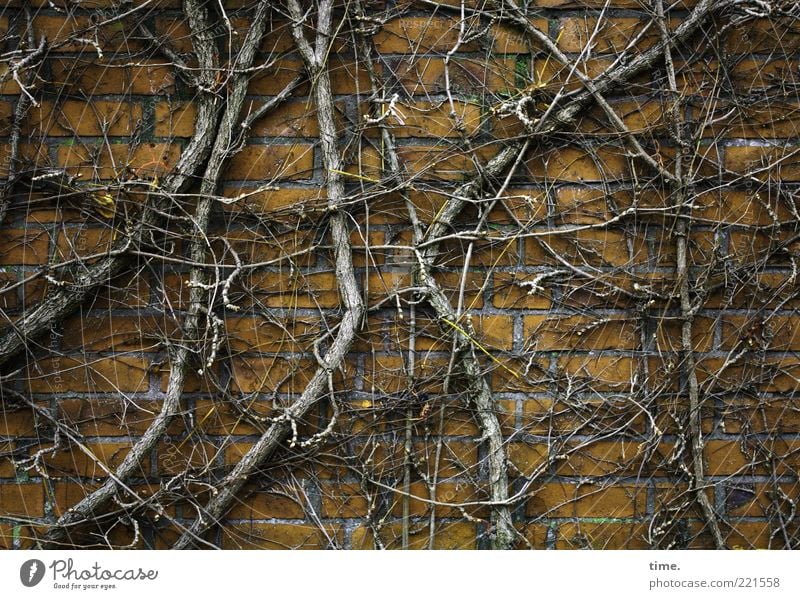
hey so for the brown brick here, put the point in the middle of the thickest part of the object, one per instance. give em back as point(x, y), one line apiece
point(448, 535)
point(762, 415)
point(606, 535)
point(106, 456)
point(266, 374)
point(344, 500)
point(512, 40)
point(510, 291)
point(756, 75)
point(528, 459)
point(112, 417)
point(600, 458)
point(559, 500)
point(271, 162)
point(118, 333)
point(147, 77)
point(311, 290)
point(579, 332)
point(258, 535)
point(63, 32)
point(75, 117)
point(24, 246)
point(83, 241)
point(596, 247)
point(763, 35)
point(22, 500)
point(275, 202)
point(527, 375)
point(94, 161)
point(124, 374)
point(420, 504)
point(255, 504)
point(771, 162)
point(420, 76)
point(433, 119)
point(291, 119)
point(256, 334)
point(614, 35)
point(409, 35)
point(271, 81)
point(175, 119)
point(575, 165)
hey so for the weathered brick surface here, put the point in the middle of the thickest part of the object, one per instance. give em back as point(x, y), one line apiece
point(570, 299)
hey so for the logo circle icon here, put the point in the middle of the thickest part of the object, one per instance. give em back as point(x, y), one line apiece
point(31, 572)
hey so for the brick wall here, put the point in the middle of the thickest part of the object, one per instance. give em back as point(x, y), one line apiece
point(570, 293)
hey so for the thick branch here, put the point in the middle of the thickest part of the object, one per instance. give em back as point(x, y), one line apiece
point(348, 288)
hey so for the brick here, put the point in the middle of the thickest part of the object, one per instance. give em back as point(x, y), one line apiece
point(764, 162)
point(344, 501)
point(93, 162)
point(526, 375)
point(64, 31)
point(258, 535)
point(589, 205)
point(22, 500)
point(257, 504)
point(562, 500)
point(420, 76)
point(192, 457)
point(614, 35)
point(448, 535)
point(175, 119)
point(24, 246)
point(432, 119)
point(579, 332)
point(763, 35)
point(601, 458)
point(112, 417)
point(762, 415)
point(222, 418)
point(516, 290)
point(123, 374)
point(752, 76)
point(95, 78)
point(595, 247)
point(409, 35)
point(18, 423)
point(349, 77)
point(118, 333)
point(581, 415)
point(528, 459)
point(603, 535)
point(669, 334)
point(311, 290)
point(389, 375)
point(420, 504)
point(575, 165)
point(257, 334)
point(440, 163)
point(512, 40)
point(291, 119)
point(277, 203)
point(74, 462)
point(550, 76)
point(271, 81)
point(271, 162)
point(75, 117)
point(83, 242)
point(268, 374)
point(128, 290)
